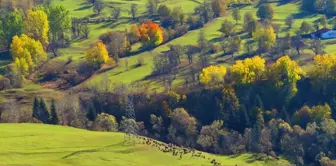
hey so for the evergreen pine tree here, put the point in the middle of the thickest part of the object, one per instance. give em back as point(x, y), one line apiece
point(35, 110)
point(91, 114)
point(53, 116)
point(43, 112)
point(258, 126)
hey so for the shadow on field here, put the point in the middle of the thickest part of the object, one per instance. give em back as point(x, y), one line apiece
point(83, 8)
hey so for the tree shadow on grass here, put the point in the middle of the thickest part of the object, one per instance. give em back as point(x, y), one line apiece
point(83, 8)
point(303, 15)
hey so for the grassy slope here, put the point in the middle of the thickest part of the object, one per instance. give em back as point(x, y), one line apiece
point(121, 75)
point(35, 144)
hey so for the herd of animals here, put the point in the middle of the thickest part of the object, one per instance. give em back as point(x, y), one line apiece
point(177, 150)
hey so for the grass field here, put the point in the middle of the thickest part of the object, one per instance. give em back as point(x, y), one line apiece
point(40, 145)
point(121, 75)
point(141, 74)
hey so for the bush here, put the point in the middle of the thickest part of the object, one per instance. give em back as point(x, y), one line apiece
point(105, 122)
point(181, 30)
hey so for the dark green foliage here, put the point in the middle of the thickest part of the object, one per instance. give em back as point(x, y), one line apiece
point(43, 112)
point(40, 110)
point(36, 107)
point(53, 113)
point(265, 11)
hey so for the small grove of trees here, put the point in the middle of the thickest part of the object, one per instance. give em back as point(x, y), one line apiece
point(26, 53)
point(212, 75)
point(117, 44)
point(150, 34)
point(41, 112)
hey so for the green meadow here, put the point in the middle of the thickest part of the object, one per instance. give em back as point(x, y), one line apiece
point(40, 145)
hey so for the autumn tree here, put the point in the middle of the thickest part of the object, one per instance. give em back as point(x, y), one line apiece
point(321, 112)
point(227, 28)
point(248, 71)
point(286, 72)
point(36, 26)
point(117, 44)
point(105, 122)
point(265, 37)
point(98, 54)
point(210, 135)
point(184, 125)
point(219, 7)
point(265, 11)
point(213, 75)
point(27, 53)
point(150, 34)
point(323, 73)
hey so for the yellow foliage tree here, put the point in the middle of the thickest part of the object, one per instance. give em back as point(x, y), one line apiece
point(324, 71)
point(248, 71)
point(36, 26)
point(266, 37)
point(213, 75)
point(26, 53)
point(324, 67)
point(98, 55)
point(286, 71)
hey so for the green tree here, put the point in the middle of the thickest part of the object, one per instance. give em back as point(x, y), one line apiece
point(306, 27)
point(134, 10)
point(36, 26)
point(43, 112)
point(265, 11)
point(53, 113)
point(35, 111)
point(60, 23)
point(12, 25)
point(98, 6)
point(236, 15)
point(324, 21)
point(289, 21)
point(227, 28)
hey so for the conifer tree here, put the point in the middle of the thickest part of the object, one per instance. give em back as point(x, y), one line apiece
point(53, 117)
point(35, 110)
point(43, 112)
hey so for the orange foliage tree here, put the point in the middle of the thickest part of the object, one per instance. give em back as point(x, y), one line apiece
point(150, 34)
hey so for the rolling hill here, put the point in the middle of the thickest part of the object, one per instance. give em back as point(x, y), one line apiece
point(39, 145)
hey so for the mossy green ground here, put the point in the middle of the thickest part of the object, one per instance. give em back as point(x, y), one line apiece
point(40, 145)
